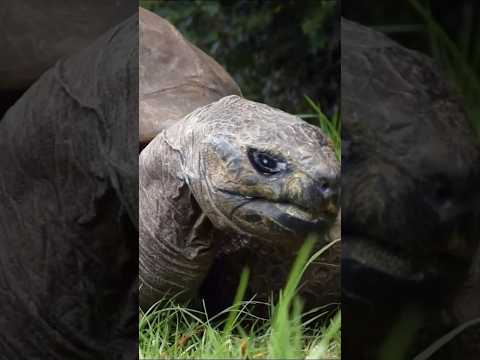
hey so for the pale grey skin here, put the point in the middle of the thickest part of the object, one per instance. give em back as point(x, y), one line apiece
point(200, 196)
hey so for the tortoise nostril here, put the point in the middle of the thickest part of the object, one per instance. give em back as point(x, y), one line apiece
point(327, 187)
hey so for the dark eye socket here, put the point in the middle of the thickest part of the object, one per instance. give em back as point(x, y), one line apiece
point(266, 163)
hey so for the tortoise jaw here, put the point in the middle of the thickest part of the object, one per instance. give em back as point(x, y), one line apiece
point(286, 220)
point(278, 220)
point(369, 268)
point(370, 254)
point(375, 276)
point(299, 221)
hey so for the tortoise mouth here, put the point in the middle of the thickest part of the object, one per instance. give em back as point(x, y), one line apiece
point(374, 272)
point(391, 261)
point(294, 216)
point(280, 217)
point(276, 218)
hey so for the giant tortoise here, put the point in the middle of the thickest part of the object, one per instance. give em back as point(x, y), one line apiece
point(225, 182)
point(410, 174)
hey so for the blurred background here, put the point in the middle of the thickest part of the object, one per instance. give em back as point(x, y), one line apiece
point(277, 51)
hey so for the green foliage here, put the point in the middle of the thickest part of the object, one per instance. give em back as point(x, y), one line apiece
point(445, 339)
point(277, 51)
point(331, 127)
point(242, 287)
point(321, 349)
point(286, 341)
point(169, 331)
point(402, 334)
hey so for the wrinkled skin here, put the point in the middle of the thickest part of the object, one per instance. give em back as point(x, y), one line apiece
point(410, 195)
point(202, 194)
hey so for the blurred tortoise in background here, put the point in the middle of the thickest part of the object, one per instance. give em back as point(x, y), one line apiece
point(225, 182)
point(69, 187)
point(410, 196)
point(36, 34)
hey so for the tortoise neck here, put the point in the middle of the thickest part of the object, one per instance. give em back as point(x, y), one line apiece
point(176, 238)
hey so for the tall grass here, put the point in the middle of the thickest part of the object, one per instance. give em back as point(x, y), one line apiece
point(168, 330)
point(331, 127)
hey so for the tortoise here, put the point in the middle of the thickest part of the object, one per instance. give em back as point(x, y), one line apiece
point(225, 182)
point(409, 193)
point(69, 206)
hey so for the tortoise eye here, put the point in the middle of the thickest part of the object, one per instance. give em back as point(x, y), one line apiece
point(266, 163)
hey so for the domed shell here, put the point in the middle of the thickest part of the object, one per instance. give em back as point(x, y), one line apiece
point(175, 76)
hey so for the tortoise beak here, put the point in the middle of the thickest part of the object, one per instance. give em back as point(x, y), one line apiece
point(277, 220)
point(318, 195)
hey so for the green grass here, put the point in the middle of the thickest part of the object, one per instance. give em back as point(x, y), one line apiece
point(169, 330)
point(331, 127)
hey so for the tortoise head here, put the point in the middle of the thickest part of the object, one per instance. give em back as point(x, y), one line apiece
point(409, 171)
point(259, 171)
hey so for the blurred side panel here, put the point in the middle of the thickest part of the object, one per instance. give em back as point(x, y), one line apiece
point(35, 34)
point(410, 175)
point(69, 181)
